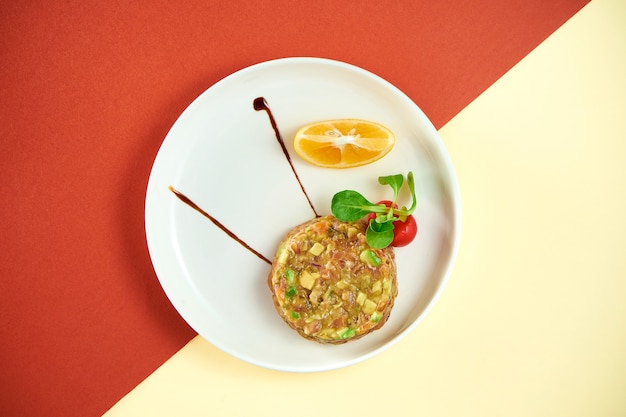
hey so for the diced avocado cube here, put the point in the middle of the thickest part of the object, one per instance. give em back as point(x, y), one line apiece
point(290, 276)
point(307, 280)
point(376, 316)
point(369, 306)
point(346, 333)
point(291, 292)
point(369, 256)
point(316, 249)
point(283, 255)
point(360, 298)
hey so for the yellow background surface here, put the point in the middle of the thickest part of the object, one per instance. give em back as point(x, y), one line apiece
point(533, 319)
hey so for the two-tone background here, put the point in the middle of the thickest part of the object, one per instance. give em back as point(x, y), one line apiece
point(529, 98)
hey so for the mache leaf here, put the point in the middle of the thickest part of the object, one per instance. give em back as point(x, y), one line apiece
point(394, 181)
point(379, 235)
point(350, 206)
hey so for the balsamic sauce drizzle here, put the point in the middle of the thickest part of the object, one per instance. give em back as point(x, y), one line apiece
point(216, 222)
point(261, 104)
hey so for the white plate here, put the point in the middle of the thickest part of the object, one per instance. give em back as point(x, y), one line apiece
point(224, 156)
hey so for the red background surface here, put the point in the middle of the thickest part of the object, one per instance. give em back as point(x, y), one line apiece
point(89, 91)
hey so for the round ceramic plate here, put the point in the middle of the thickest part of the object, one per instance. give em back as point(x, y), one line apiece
point(223, 155)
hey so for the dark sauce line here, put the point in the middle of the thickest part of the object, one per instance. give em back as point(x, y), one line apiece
point(261, 104)
point(194, 206)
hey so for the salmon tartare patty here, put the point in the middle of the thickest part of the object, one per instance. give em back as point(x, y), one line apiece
point(329, 285)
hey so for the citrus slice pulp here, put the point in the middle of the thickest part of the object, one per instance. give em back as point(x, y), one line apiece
point(343, 143)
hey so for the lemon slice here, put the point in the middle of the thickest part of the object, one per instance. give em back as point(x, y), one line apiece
point(343, 143)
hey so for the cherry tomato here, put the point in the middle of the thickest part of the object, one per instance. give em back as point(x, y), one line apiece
point(403, 231)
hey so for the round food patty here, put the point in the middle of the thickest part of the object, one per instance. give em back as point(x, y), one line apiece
point(329, 285)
